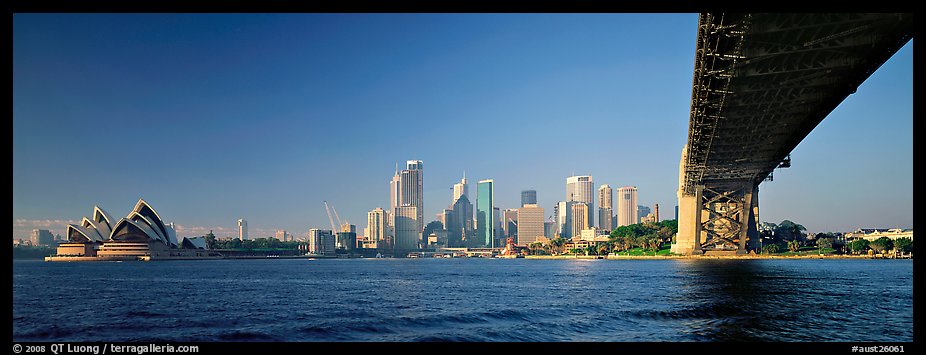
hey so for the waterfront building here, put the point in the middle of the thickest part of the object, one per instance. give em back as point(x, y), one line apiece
point(142, 233)
point(376, 227)
point(42, 237)
point(579, 212)
point(528, 197)
point(485, 214)
point(581, 189)
point(530, 224)
point(872, 234)
point(412, 188)
point(321, 242)
point(626, 206)
point(405, 222)
point(589, 234)
point(499, 231)
point(395, 191)
point(347, 240)
point(281, 235)
point(242, 229)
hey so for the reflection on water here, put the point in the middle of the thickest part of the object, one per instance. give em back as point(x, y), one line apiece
point(465, 300)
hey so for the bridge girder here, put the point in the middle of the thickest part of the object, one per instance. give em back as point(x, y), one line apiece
point(761, 83)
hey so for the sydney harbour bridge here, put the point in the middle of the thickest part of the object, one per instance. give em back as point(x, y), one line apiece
point(762, 82)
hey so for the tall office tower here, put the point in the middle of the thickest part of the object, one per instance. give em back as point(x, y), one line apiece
point(564, 218)
point(376, 227)
point(460, 189)
point(395, 190)
point(280, 235)
point(321, 242)
point(485, 213)
point(582, 189)
point(510, 223)
point(411, 191)
point(444, 216)
point(626, 206)
point(642, 211)
point(242, 229)
point(347, 227)
point(579, 222)
point(528, 197)
point(407, 233)
point(605, 203)
point(656, 212)
point(460, 223)
point(530, 224)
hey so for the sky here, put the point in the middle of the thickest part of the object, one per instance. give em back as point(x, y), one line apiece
point(215, 117)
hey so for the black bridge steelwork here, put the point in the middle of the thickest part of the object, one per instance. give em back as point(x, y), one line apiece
point(761, 83)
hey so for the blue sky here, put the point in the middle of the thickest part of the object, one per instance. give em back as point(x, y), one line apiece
point(212, 117)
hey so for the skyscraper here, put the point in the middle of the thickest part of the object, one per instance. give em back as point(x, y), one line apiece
point(407, 233)
point(582, 189)
point(376, 227)
point(579, 212)
point(485, 213)
point(395, 190)
point(605, 201)
point(242, 229)
point(627, 206)
point(642, 211)
point(42, 237)
point(411, 190)
point(460, 224)
point(563, 215)
point(530, 224)
point(528, 197)
point(460, 189)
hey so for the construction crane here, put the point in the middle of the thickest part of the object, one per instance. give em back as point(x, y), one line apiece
point(334, 229)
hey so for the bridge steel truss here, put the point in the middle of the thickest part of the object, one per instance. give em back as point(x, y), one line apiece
point(761, 83)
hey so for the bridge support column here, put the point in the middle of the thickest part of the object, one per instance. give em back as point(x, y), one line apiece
point(688, 239)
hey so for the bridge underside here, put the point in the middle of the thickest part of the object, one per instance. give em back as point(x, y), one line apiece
point(762, 82)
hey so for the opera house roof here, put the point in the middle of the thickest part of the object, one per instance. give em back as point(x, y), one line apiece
point(143, 224)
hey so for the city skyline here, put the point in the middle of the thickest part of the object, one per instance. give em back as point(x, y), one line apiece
point(227, 151)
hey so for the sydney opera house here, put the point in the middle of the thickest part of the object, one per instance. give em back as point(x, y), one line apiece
point(142, 235)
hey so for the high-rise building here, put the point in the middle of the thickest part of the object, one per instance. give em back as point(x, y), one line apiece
point(563, 213)
point(42, 237)
point(579, 222)
point(530, 224)
point(347, 240)
point(642, 211)
point(321, 242)
point(444, 216)
point(460, 189)
point(407, 233)
point(242, 229)
point(582, 189)
point(411, 190)
point(605, 203)
point(627, 206)
point(347, 227)
point(485, 213)
point(528, 197)
point(376, 227)
point(460, 223)
point(395, 191)
point(280, 235)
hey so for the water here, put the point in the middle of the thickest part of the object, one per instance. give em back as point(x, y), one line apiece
point(464, 300)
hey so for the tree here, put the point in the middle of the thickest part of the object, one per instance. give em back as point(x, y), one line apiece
point(770, 249)
point(904, 245)
point(882, 244)
point(858, 246)
point(788, 230)
point(824, 243)
point(794, 245)
point(604, 248)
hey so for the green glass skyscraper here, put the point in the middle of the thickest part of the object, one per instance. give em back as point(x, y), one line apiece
point(485, 209)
